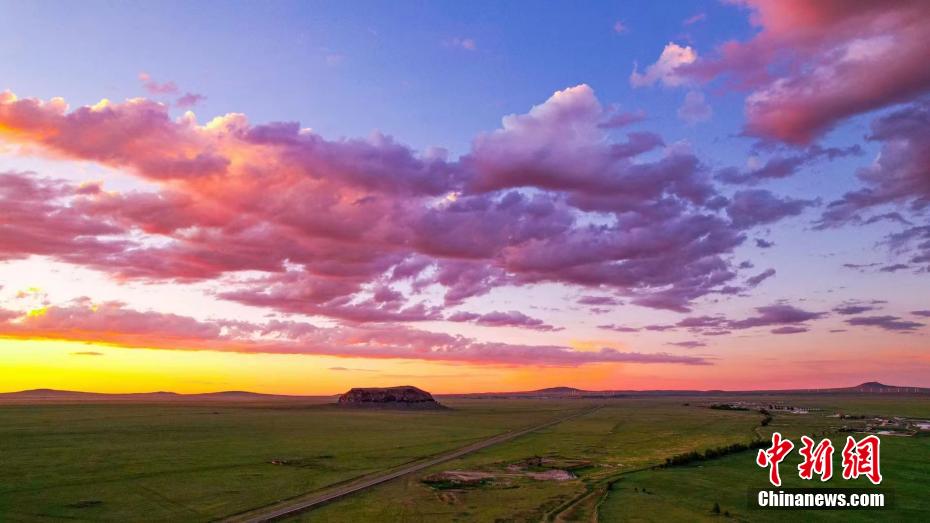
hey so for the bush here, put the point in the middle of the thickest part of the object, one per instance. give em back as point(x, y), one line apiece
point(718, 452)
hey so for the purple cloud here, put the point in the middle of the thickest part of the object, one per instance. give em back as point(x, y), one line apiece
point(504, 319)
point(849, 309)
point(778, 314)
point(753, 207)
point(788, 329)
point(617, 328)
point(690, 344)
point(599, 300)
point(889, 323)
point(754, 281)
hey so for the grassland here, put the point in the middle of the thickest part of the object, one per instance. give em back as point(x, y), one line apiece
point(203, 462)
point(623, 442)
point(198, 463)
point(625, 435)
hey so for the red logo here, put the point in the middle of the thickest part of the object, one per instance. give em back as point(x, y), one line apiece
point(774, 455)
point(816, 460)
point(861, 458)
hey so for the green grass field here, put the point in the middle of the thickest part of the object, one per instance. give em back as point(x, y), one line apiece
point(198, 463)
point(624, 441)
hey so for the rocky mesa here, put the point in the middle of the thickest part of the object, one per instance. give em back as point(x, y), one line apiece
point(405, 397)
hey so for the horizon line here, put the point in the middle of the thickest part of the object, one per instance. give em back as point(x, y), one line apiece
point(544, 389)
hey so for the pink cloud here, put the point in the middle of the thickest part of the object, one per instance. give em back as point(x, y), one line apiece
point(113, 323)
point(156, 88)
point(814, 64)
point(666, 68)
point(328, 223)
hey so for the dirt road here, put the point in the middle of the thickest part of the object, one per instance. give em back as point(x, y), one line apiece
point(310, 501)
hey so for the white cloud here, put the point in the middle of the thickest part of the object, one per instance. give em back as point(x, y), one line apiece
point(672, 57)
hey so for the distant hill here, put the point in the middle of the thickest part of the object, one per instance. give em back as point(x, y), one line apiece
point(881, 388)
point(871, 387)
point(68, 396)
point(559, 390)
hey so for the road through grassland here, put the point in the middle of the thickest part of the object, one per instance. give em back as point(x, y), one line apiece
point(312, 500)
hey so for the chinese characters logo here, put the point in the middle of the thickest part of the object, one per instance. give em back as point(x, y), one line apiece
point(860, 458)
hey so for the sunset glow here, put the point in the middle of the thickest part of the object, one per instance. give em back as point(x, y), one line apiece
point(732, 198)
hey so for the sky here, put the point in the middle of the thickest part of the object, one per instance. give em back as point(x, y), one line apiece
point(303, 197)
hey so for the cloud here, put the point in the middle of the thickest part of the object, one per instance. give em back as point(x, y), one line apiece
point(754, 281)
point(599, 300)
point(899, 173)
point(87, 353)
point(504, 319)
point(787, 319)
point(321, 226)
point(690, 344)
point(898, 176)
point(789, 330)
point(695, 109)
point(156, 88)
point(617, 328)
point(34, 222)
point(749, 208)
point(782, 166)
point(894, 267)
point(700, 322)
point(852, 308)
point(777, 314)
point(691, 20)
point(889, 323)
point(923, 313)
point(811, 66)
point(616, 118)
point(113, 323)
point(665, 70)
point(762, 243)
point(189, 100)
point(860, 266)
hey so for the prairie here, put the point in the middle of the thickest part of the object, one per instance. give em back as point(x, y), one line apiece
point(158, 462)
point(203, 462)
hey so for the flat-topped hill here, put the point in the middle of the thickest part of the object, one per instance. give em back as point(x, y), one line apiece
point(405, 397)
